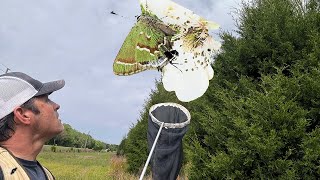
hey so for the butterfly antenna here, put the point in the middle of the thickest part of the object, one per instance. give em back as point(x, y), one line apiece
point(7, 69)
point(117, 14)
point(147, 5)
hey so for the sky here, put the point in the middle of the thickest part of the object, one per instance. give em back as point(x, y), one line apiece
point(78, 40)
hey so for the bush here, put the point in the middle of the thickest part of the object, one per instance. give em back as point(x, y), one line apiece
point(54, 148)
point(259, 118)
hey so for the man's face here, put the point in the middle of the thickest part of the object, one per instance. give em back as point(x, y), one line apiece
point(47, 123)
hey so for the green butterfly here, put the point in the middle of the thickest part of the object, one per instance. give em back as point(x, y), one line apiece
point(147, 46)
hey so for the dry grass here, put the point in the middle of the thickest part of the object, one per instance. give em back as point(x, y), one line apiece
point(118, 167)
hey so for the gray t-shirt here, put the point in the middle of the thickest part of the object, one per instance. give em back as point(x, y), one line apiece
point(33, 168)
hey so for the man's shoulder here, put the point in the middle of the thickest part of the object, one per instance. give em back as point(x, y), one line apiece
point(10, 168)
point(5, 153)
point(2, 149)
point(1, 174)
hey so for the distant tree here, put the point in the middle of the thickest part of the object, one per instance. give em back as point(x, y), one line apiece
point(98, 145)
point(112, 147)
point(73, 138)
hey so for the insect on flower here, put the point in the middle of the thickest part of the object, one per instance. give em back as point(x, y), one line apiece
point(147, 46)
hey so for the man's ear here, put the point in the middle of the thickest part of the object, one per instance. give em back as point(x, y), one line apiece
point(22, 115)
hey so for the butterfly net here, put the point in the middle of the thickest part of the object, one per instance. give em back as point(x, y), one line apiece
point(166, 159)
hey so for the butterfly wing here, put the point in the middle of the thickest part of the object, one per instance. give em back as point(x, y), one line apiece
point(140, 49)
point(125, 62)
point(149, 41)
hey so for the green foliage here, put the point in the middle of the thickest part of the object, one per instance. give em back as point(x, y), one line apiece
point(98, 145)
point(273, 34)
point(256, 133)
point(262, 108)
point(136, 146)
point(54, 148)
point(121, 147)
point(73, 138)
point(259, 118)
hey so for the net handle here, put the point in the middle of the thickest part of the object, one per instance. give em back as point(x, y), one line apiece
point(151, 151)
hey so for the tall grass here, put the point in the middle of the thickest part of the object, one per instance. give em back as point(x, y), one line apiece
point(73, 165)
point(79, 164)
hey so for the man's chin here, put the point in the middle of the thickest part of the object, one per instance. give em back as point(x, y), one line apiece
point(61, 130)
point(62, 126)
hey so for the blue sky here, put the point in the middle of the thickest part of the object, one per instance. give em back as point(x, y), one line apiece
point(77, 40)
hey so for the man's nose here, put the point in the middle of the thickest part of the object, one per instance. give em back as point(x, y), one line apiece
point(56, 106)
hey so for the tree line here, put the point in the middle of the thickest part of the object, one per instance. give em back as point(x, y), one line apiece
point(73, 138)
point(259, 118)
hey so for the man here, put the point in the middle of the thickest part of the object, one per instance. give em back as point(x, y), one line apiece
point(28, 118)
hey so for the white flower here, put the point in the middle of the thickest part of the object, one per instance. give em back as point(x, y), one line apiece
point(189, 74)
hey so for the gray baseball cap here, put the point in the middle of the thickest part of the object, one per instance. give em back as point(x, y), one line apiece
point(17, 88)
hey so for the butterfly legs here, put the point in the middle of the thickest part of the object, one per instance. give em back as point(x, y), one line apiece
point(172, 55)
point(169, 55)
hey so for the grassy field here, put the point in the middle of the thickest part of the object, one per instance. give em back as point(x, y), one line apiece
point(82, 165)
point(78, 165)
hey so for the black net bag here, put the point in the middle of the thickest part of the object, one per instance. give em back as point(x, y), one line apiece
point(167, 124)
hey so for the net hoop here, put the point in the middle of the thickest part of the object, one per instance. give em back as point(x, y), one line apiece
point(170, 125)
